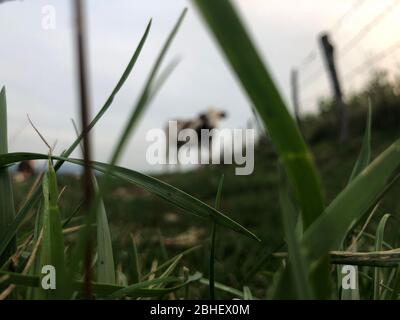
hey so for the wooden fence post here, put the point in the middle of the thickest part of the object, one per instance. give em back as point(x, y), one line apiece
point(341, 113)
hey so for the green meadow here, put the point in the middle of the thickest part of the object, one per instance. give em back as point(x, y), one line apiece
point(311, 206)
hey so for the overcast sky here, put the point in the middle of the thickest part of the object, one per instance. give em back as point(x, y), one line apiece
point(37, 65)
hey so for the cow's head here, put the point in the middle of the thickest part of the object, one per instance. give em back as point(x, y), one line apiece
point(212, 117)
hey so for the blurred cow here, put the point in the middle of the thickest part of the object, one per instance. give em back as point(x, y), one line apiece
point(205, 121)
point(25, 170)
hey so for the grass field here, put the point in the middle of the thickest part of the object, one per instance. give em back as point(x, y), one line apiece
point(161, 231)
point(280, 233)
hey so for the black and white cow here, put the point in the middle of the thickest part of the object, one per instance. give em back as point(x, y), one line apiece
point(205, 121)
point(25, 170)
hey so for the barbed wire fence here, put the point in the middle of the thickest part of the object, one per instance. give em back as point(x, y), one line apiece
point(323, 58)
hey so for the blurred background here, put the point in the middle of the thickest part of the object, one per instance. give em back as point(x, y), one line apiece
point(37, 63)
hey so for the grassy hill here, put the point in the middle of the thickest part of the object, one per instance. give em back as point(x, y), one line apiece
point(161, 231)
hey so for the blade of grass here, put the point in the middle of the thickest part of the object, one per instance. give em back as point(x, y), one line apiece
point(7, 210)
point(396, 284)
point(105, 262)
point(147, 91)
point(165, 191)
point(31, 201)
point(171, 267)
point(298, 263)
point(135, 263)
point(163, 248)
point(142, 290)
point(239, 50)
point(138, 109)
point(106, 290)
point(222, 287)
point(27, 267)
point(372, 237)
point(110, 99)
point(167, 263)
point(36, 269)
point(264, 258)
point(362, 162)
point(213, 239)
point(378, 247)
point(364, 227)
point(364, 157)
point(352, 203)
point(247, 293)
point(385, 288)
point(173, 195)
point(52, 247)
point(367, 277)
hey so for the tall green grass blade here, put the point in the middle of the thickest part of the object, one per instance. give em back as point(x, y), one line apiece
point(121, 278)
point(385, 288)
point(264, 258)
point(182, 200)
point(298, 263)
point(20, 279)
point(146, 93)
point(115, 91)
point(352, 203)
point(365, 153)
point(396, 284)
point(135, 263)
point(52, 246)
point(362, 162)
point(110, 291)
point(372, 237)
point(138, 110)
point(163, 248)
point(32, 201)
point(142, 289)
point(213, 239)
point(247, 293)
point(105, 262)
point(165, 191)
point(7, 210)
point(224, 288)
point(171, 267)
point(34, 293)
point(33, 281)
point(380, 231)
point(173, 195)
point(167, 263)
point(105, 258)
point(233, 38)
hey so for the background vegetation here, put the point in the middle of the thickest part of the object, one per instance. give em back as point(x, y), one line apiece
point(311, 202)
